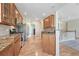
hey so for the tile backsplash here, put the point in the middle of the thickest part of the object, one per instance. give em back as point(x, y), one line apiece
point(4, 30)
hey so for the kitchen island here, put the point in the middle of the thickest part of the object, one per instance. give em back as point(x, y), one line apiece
point(49, 42)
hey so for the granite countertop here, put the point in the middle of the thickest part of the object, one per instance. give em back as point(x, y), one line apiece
point(49, 32)
point(6, 41)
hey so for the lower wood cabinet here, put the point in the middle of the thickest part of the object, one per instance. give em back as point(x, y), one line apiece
point(52, 39)
point(9, 51)
point(17, 46)
point(45, 43)
point(49, 43)
point(13, 49)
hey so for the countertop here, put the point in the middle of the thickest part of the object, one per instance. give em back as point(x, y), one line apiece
point(48, 32)
point(6, 41)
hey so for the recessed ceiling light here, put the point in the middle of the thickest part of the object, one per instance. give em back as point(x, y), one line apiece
point(77, 3)
point(16, 11)
point(25, 13)
point(36, 18)
point(44, 14)
point(52, 6)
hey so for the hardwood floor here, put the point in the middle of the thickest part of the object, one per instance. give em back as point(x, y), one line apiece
point(33, 47)
point(68, 51)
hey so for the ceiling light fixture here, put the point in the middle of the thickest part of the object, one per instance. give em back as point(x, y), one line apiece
point(77, 4)
point(16, 12)
point(44, 14)
point(25, 13)
point(36, 18)
point(52, 6)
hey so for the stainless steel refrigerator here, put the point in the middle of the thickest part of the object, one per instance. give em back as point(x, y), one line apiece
point(24, 30)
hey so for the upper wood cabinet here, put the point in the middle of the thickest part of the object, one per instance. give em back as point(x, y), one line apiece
point(18, 17)
point(5, 12)
point(49, 22)
point(8, 14)
point(12, 14)
point(0, 12)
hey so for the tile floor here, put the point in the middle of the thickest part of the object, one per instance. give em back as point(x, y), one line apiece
point(32, 47)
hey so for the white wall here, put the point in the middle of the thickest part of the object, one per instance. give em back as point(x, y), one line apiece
point(65, 36)
point(66, 13)
point(63, 25)
point(38, 27)
point(74, 26)
point(4, 30)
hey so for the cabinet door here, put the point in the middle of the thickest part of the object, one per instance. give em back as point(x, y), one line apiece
point(12, 14)
point(2, 12)
point(8, 51)
point(19, 17)
point(5, 12)
point(52, 40)
point(52, 21)
point(49, 22)
point(46, 23)
point(17, 47)
point(45, 42)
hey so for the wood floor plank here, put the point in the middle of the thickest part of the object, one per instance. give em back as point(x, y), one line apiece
point(32, 47)
point(68, 51)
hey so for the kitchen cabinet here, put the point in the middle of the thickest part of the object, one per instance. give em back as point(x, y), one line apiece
point(17, 45)
point(52, 39)
point(45, 43)
point(8, 14)
point(8, 51)
point(12, 14)
point(0, 12)
point(49, 22)
point(48, 43)
point(18, 17)
point(52, 21)
point(5, 12)
point(12, 48)
point(46, 23)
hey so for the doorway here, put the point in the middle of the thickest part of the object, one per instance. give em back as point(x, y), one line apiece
point(33, 29)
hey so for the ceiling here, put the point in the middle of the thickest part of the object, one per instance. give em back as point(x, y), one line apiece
point(69, 12)
point(38, 11)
